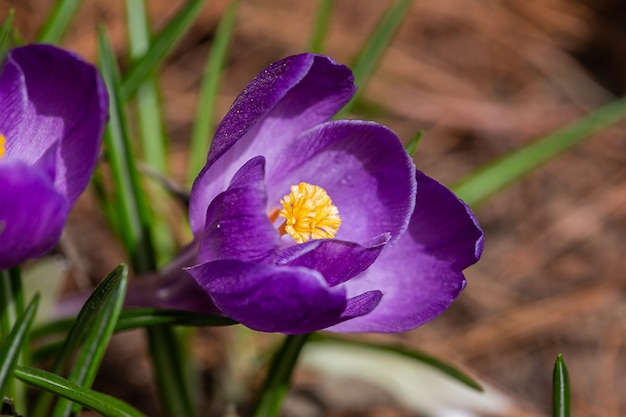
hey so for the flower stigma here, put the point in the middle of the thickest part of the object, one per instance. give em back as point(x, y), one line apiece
point(3, 141)
point(309, 213)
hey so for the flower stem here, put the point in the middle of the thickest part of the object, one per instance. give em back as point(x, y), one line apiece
point(278, 378)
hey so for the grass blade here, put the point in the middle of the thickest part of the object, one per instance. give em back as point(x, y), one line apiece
point(373, 51)
point(487, 181)
point(169, 365)
point(82, 328)
point(95, 323)
point(320, 25)
point(6, 31)
point(438, 364)
point(14, 343)
point(103, 404)
point(560, 389)
point(160, 47)
point(203, 128)
point(151, 131)
point(135, 217)
point(278, 378)
point(58, 21)
point(411, 146)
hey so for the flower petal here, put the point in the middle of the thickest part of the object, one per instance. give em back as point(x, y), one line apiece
point(336, 260)
point(32, 213)
point(286, 99)
point(12, 101)
point(68, 104)
point(422, 274)
point(273, 298)
point(237, 226)
point(363, 168)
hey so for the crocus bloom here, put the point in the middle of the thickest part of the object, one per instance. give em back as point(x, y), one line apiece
point(53, 108)
point(302, 223)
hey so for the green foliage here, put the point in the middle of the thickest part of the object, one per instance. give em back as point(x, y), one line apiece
point(106, 405)
point(560, 389)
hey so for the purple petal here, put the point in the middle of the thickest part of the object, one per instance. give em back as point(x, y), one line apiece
point(32, 213)
point(286, 99)
point(66, 104)
point(336, 260)
point(364, 169)
point(273, 298)
point(422, 274)
point(12, 102)
point(237, 225)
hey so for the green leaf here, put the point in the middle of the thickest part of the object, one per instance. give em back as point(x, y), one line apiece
point(6, 31)
point(92, 322)
point(103, 404)
point(93, 330)
point(411, 147)
point(169, 365)
point(128, 320)
point(482, 184)
point(160, 47)
point(278, 378)
point(58, 21)
point(374, 49)
point(14, 343)
point(203, 128)
point(134, 216)
point(320, 25)
point(560, 389)
point(410, 353)
point(11, 299)
point(152, 132)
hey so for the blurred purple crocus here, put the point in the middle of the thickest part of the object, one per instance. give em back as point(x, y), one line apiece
point(53, 109)
point(302, 224)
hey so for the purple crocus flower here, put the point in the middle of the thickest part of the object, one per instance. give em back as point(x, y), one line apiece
point(53, 108)
point(302, 223)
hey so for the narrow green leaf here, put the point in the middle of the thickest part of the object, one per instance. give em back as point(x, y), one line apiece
point(487, 181)
point(11, 308)
point(152, 132)
point(103, 404)
point(14, 343)
point(373, 51)
point(90, 323)
point(278, 378)
point(11, 299)
point(149, 109)
point(169, 365)
point(160, 47)
point(411, 147)
point(6, 31)
point(58, 21)
point(135, 217)
point(203, 128)
point(560, 389)
point(438, 364)
point(320, 25)
point(96, 322)
point(128, 320)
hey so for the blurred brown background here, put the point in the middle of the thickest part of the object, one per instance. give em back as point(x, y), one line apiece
point(482, 78)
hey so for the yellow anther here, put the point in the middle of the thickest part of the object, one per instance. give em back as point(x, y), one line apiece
point(3, 142)
point(309, 213)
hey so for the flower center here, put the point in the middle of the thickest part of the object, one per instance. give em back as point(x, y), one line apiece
point(309, 213)
point(3, 141)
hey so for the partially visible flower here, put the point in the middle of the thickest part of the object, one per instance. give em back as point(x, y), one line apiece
point(53, 109)
point(303, 224)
